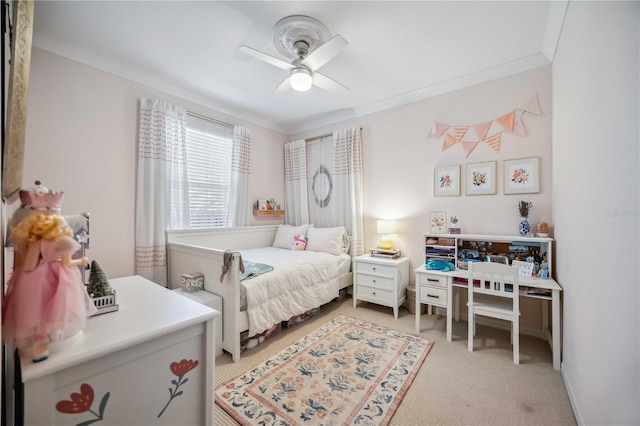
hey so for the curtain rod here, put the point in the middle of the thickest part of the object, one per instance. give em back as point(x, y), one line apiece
point(321, 136)
point(204, 117)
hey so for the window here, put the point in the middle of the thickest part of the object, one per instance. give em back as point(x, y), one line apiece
point(209, 146)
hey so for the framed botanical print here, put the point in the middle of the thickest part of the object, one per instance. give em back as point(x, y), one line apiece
point(438, 222)
point(480, 178)
point(446, 181)
point(522, 176)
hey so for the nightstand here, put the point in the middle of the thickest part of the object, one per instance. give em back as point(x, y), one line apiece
point(381, 281)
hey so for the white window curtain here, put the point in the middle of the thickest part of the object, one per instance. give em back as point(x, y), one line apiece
point(347, 203)
point(239, 204)
point(162, 193)
point(295, 183)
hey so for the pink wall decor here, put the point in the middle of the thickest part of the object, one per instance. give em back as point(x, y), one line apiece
point(510, 122)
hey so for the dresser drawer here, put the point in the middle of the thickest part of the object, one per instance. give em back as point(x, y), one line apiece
point(433, 280)
point(376, 269)
point(433, 296)
point(375, 281)
point(375, 295)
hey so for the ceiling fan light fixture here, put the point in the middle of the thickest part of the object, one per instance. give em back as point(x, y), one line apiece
point(300, 79)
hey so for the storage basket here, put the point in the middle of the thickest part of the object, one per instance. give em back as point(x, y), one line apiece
point(411, 301)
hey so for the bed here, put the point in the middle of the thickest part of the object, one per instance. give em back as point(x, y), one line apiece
point(290, 289)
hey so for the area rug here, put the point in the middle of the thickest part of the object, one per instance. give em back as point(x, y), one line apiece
point(347, 372)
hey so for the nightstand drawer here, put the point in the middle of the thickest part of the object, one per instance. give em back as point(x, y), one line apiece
point(375, 295)
point(375, 281)
point(433, 296)
point(372, 268)
point(434, 280)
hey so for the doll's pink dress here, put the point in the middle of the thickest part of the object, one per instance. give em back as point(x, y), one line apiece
point(49, 301)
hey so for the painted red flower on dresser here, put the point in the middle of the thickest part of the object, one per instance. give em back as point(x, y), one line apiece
point(179, 369)
point(183, 367)
point(82, 402)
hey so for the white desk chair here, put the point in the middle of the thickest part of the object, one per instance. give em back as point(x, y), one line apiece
point(491, 299)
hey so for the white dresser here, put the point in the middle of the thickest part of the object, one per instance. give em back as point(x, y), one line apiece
point(151, 362)
point(214, 302)
point(381, 281)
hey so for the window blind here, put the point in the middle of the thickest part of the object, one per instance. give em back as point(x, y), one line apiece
point(209, 146)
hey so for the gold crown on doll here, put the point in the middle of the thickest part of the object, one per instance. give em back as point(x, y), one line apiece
point(41, 198)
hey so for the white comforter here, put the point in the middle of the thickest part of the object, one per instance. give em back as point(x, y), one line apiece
point(300, 280)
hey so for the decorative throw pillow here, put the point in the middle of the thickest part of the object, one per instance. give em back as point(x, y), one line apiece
point(299, 242)
point(286, 233)
point(327, 240)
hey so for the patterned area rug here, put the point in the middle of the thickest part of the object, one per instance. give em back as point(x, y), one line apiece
point(347, 372)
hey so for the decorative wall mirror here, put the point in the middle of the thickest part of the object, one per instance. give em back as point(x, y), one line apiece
point(16, 114)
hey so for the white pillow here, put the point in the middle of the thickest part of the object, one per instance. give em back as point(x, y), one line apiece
point(328, 240)
point(285, 234)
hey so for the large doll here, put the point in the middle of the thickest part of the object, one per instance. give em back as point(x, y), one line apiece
point(46, 298)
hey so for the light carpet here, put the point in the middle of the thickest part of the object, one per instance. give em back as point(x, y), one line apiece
point(347, 372)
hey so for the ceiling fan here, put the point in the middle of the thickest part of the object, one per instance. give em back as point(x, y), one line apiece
point(302, 39)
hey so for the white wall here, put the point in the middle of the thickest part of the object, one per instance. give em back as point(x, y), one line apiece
point(82, 138)
point(596, 207)
point(399, 161)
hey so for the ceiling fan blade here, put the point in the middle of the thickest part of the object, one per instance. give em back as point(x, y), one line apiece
point(266, 58)
point(325, 52)
point(326, 83)
point(284, 86)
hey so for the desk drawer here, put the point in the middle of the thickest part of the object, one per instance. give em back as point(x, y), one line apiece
point(376, 269)
point(433, 296)
point(375, 281)
point(432, 280)
point(375, 295)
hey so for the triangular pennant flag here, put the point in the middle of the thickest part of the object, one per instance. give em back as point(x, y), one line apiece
point(432, 131)
point(468, 146)
point(459, 131)
point(441, 128)
point(532, 106)
point(507, 120)
point(481, 129)
point(518, 127)
point(494, 142)
point(448, 141)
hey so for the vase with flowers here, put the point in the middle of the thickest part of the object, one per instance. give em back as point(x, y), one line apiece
point(454, 228)
point(523, 209)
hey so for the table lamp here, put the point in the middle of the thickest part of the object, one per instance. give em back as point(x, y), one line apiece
point(386, 227)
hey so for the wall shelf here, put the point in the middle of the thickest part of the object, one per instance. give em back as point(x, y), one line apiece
point(257, 212)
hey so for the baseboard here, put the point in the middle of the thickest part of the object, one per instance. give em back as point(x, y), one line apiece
point(572, 397)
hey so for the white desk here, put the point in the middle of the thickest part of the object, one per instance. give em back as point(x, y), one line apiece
point(129, 359)
point(435, 287)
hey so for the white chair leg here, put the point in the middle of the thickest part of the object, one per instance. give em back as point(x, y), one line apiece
point(471, 332)
point(516, 342)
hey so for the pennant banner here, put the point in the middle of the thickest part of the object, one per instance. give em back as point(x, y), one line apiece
point(437, 129)
point(533, 107)
point(468, 146)
point(449, 141)
point(507, 120)
point(494, 142)
point(459, 131)
point(481, 129)
point(511, 123)
point(518, 127)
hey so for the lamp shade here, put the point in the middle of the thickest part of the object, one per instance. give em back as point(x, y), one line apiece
point(386, 227)
point(300, 79)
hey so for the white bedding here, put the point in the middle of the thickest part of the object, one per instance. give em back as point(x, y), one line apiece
point(300, 280)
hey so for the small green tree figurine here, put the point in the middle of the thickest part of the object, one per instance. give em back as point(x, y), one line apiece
point(98, 285)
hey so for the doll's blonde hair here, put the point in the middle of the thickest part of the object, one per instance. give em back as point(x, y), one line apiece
point(41, 226)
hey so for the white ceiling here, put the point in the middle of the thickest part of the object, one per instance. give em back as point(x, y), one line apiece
point(398, 52)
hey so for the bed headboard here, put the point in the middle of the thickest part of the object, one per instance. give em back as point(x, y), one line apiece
point(237, 238)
